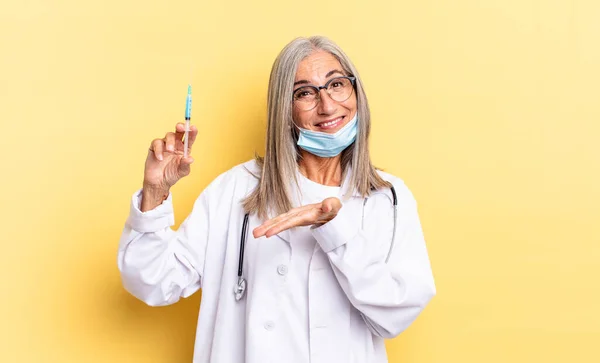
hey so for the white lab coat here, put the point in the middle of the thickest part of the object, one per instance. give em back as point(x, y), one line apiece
point(355, 298)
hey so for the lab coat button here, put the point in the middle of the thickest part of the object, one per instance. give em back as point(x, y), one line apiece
point(269, 325)
point(282, 269)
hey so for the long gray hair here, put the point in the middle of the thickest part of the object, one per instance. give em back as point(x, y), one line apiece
point(279, 165)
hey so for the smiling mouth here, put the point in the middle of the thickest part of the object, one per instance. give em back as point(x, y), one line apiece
point(331, 124)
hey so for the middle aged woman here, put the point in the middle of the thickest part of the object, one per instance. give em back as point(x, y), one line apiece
point(336, 260)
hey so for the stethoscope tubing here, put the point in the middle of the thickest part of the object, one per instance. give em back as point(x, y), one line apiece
point(240, 288)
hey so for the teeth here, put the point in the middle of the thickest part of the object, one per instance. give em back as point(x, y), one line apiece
point(329, 123)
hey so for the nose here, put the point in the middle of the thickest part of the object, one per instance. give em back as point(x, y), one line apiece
point(326, 104)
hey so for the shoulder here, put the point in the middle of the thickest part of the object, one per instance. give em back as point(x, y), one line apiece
point(403, 193)
point(245, 175)
point(246, 170)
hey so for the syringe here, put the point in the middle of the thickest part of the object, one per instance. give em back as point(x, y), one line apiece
point(188, 117)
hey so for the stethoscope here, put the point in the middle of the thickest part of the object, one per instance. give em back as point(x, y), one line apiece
point(240, 287)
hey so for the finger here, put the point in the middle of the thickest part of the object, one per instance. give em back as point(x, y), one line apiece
point(180, 134)
point(186, 161)
point(331, 205)
point(179, 130)
point(184, 166)
point(259, 231)
point(281, 226)
point(302, 216)
point(329, 210)
point(170, 141)
point(262, 230)
point(305, 218)
point(156, 148)
point(192, 136)
point(263, 227)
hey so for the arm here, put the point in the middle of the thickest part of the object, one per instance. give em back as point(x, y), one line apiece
point(389, 296)
point(159, 265)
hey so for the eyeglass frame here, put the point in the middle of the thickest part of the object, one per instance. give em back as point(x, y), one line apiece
point(352, 80)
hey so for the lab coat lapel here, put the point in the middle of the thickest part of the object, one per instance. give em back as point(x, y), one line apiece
point(296, 199)
point(285, 235)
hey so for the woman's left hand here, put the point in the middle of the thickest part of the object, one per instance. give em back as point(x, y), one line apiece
point(308, 215)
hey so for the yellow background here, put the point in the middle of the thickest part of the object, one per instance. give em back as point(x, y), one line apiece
point(489, 110)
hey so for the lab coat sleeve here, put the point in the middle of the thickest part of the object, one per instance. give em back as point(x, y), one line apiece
point(389, 295)
point(159, 265)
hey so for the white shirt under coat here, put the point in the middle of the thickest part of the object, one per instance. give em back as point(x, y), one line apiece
point(320, 295)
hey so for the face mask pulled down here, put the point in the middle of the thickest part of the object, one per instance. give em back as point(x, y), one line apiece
point(328, 145)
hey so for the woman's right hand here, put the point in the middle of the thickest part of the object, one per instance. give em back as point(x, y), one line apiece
point(165, 165)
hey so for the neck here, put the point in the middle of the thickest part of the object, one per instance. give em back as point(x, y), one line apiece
point(325, 171)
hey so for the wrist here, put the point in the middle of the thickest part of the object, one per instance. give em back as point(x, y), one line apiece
point(153, 196)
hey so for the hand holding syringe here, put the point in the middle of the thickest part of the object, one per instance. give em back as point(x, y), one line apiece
point(168, 160)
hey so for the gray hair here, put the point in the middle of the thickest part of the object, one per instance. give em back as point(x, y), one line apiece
point(279, 165)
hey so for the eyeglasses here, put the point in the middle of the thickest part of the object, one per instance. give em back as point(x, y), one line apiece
point(339, 89)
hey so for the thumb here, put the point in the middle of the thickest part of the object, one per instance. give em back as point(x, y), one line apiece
point(184, 165)
point(331, 205)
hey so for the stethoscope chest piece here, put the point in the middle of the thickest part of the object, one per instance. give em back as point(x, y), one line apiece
point(240, 289)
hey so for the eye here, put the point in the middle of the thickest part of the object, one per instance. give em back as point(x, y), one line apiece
point(304, 93)
point(338, 83)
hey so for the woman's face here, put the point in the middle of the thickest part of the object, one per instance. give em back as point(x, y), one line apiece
point(329, 115)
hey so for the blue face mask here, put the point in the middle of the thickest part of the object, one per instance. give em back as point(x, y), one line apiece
point(328, 145)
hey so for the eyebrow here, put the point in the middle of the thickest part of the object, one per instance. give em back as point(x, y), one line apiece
point(329, 74)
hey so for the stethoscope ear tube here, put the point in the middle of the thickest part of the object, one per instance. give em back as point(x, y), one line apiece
point(395, 201)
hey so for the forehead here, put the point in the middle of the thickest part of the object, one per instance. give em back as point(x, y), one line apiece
point(315, 67)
